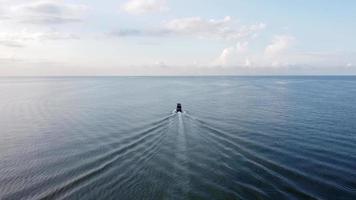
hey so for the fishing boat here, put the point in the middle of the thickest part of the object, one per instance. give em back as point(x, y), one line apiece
point(179, 107)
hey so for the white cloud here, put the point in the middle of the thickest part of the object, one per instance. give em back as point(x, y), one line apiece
point(47, 12)
point(10, 43)
point(276, 54)
point(248, 62)
point(21, 39)
point(198, 27)
point(220, 29)
point(161, 64)
point(233, 55)
point(225, 56)
point(279, 45)
point(241, 47)
point(139, 7)
point(2, 14)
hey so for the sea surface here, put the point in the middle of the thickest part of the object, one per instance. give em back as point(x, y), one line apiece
point(119, 138)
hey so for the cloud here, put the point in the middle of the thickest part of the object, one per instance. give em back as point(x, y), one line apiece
point(2, 14)
point(47, 12)
point(199, 28)
point(275, 54)
point(233, 54)
point(212, 28)
point(161, 64)
point(21, 39)
point(225, 56)
point(248, 62)
point(10, 43)
point(140, 33)
point(138, 7)
point(279, 45)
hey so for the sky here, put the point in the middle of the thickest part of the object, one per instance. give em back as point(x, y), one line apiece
point(176, 37)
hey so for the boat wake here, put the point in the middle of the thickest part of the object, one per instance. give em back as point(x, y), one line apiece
point(177, 156)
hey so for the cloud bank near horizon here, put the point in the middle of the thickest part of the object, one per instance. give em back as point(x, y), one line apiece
point(162, 37)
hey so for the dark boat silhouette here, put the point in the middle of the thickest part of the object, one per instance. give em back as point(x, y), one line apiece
point(179, 107)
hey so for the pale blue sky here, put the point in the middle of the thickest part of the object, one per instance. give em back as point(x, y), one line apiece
point(172, 37)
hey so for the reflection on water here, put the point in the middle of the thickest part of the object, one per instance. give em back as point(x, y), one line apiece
point(116, 138)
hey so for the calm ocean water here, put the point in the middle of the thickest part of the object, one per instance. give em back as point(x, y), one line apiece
point(117, 138)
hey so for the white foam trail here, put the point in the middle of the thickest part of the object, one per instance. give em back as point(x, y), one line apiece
point(181, 187)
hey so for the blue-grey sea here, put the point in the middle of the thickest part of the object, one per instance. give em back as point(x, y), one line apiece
point(119, 138)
